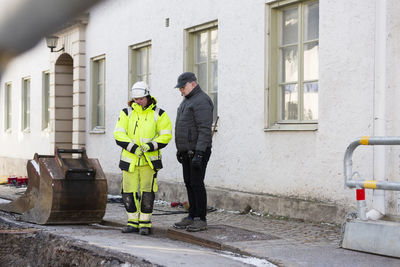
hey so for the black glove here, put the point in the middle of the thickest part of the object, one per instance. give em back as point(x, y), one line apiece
point(179, 156)
point(197, 159)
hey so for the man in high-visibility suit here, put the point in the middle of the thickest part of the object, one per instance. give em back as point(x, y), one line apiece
point(142, 130)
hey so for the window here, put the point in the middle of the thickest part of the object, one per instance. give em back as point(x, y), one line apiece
point(8, 107)
point(26, 104)
point(98, 93)
point(293, 66)
point(202, 59)
point(46, 101)
point(140, 63)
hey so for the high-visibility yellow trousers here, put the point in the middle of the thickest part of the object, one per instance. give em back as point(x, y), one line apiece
point(138, 193)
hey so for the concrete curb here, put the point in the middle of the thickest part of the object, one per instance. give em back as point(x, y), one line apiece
point(310, 211)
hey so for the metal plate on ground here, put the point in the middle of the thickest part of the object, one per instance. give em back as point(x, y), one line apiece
point(217, 235)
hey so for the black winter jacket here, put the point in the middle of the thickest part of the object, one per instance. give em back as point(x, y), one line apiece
point(194, 121)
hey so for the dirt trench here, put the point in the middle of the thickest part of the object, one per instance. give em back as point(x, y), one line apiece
point(32, 247)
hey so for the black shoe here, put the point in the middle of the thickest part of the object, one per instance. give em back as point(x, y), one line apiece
point(129, 229)
point(144, 231)
point(184, 223)
point(197, 225)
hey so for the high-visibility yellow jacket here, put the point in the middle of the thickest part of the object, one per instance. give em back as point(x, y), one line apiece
point(137, 126)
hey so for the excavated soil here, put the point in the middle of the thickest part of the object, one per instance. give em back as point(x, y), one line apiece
point(32, 247)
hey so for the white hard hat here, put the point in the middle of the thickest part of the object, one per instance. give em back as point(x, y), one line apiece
point(139, 89)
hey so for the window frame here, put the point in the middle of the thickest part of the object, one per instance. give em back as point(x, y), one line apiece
point(8, 107)
point(190, 55)
point(45, 100)
point(273, 99)
point(94, 120)
point(26, 105)
point(133, 73)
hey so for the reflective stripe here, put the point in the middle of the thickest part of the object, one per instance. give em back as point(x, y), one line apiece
point(128, 160)
point(119, 130)
point(133, 216)
point(155, 145)
point(157, 157)
point(145, 140)
point(145, 217)
point(129, 147)
point(129, 111)
point(164, 132)
point(156, 114)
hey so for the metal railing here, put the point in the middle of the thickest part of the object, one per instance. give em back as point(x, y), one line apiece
point(348, 163)
point(360, 184)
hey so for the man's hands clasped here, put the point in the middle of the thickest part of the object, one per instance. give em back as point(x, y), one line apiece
point(141, 149)
point(138, 152)
point(179, 156)
point(145, 148)
point(197, 159)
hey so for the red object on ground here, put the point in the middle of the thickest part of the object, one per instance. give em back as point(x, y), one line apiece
point(175, 204)
point(22, 181)
point(360, 194)
point(12, 180)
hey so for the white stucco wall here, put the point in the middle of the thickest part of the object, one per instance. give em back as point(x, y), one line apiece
point(305, 164)
point(18, 144)
point(393, 98)
point(245, 158)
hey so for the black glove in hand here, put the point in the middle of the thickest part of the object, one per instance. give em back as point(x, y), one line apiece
point(179, 156)
point(197, 159)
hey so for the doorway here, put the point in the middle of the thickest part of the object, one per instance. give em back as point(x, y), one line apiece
point(63, 80)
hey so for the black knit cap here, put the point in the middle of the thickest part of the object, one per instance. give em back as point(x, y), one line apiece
point(184, 78)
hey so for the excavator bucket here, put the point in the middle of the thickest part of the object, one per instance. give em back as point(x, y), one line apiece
point(62, 190)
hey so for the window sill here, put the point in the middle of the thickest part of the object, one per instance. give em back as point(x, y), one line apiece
point(46, 130)
point(292, 127)
point(26, 131)
point(97, 131)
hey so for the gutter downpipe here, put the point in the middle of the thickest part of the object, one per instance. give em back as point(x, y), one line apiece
point(378, 200)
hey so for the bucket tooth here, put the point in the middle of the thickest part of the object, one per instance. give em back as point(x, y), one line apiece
point(27, 200)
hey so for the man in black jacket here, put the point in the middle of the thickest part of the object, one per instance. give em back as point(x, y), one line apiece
point(193, 142)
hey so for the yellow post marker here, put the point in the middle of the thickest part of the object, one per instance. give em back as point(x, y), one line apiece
point(364, 140)
point(370, 184)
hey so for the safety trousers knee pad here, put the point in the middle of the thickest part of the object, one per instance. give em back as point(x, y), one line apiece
point(129, 202)
point(147, 202)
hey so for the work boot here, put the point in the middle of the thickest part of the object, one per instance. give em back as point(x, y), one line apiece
point(197, 225)
point(129, 229)
point(144, 231)
point(185, 222)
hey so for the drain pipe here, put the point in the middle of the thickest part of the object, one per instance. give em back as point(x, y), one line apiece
point(378, 201)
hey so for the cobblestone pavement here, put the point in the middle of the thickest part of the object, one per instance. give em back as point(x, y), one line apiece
point(296, 232)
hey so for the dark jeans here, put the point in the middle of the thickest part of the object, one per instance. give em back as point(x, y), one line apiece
point(194, 182)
